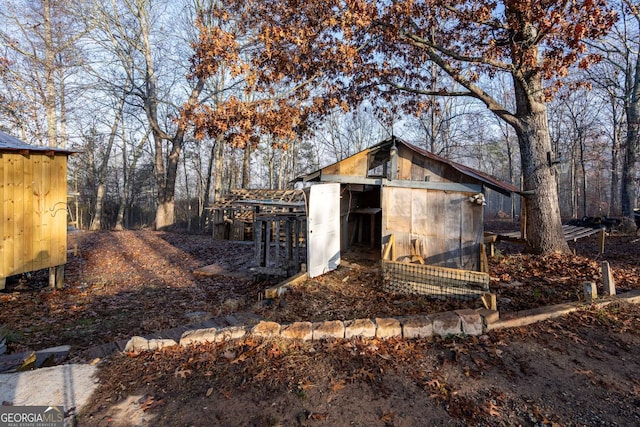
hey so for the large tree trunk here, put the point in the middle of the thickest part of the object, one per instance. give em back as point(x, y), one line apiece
point(614, 202)
point(543, 221)
point(629, 170)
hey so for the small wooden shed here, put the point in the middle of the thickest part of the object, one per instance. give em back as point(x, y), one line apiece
point(430, 206)
point(33, 225)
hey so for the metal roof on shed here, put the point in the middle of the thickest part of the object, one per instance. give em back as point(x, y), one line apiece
point(11, 143)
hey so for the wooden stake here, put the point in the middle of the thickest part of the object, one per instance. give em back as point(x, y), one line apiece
point(389, 246)
point(607, 279)
point(484, 262)
point(601, 237)
point(490, 301)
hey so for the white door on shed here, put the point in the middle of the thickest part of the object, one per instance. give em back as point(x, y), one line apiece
point(323, 229)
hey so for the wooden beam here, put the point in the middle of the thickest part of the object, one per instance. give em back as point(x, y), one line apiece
point(490, 301)
point(56, 277)
point(349, 179)
point(523, 218)
point(280, 288)
point(484, 262)
point(607, 279)
point(388, 247)
point(429, 185)
point(601, 237)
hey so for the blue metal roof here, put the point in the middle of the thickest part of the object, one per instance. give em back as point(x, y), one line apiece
point(11, 143)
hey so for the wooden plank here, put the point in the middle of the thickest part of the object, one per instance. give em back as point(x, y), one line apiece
point(452, 238)
point(490, 301)
point(277, 241)
point(419, 213)
point(257, 239)
point(398, 208)
point(288, 242)
point(280, 288)
point(9, 215)
point(20, 262)
point(440, 186)
point(523, 218)
point(607, 279)
point(601, 237)
point(3, 215)
point(58, 211)
point(267, 244)
point(388, 247)
point(484, 261)
point(355, 165)
point(471, 232)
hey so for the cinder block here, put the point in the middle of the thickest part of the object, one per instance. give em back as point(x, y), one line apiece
point(417, 327)
point(328, 329)
point(266, 329)
point(471, 321)
point(359, 328)
point(297, 330)
point(388, 327)
point(447, 323)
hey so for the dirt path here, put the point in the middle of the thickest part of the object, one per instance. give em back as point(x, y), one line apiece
point(581, 370)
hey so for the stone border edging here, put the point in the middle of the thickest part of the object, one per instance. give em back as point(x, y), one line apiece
point(465, 321)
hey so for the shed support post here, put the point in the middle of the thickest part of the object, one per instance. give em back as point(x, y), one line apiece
point(601, 237)
point(56, 277)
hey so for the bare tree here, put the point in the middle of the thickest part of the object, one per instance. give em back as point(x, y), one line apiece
point(621, 50)
point(42, 44)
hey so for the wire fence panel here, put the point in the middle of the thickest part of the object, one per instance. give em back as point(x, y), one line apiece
point(431, 280)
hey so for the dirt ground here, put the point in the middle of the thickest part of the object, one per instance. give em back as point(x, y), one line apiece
point(580, 370)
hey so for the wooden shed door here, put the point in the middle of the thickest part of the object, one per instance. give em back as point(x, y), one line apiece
point(323, 229)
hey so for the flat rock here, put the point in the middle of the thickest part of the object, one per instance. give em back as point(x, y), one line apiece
point(196, 336)
point(488, 316)
point(447, 323)
point(359, 328)
point(388, 327)
point(297, 330)
point(328, 329)
point(136, 344)
point(417, 327)
point(471, 321)
point(266, 329)
point(230, 333)
point(158, 343)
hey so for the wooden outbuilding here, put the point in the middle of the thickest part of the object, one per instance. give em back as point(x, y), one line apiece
point(33, 191)
point(415, 207)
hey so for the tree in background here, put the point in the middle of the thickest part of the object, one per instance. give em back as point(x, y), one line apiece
point(41, 39)
point(254, 110)
point(621, 51)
